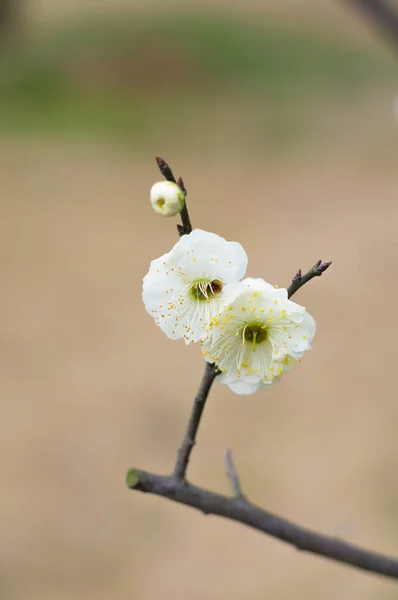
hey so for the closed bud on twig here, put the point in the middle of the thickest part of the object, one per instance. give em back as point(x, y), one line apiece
point(167, 198)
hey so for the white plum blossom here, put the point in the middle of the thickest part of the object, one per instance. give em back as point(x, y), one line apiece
point(185, 288)
point(167, 198)
point(256, 338)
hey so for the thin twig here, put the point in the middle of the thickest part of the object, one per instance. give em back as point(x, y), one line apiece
point(299, 280)
point(232, 475)
point(253, 516)
point(167, 173)
point(193, 424)
point(382, 13)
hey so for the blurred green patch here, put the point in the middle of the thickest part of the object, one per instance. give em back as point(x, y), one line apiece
point(134, 78)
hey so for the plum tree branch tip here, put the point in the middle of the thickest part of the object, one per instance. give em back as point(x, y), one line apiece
point(232, 475)
point(299, 279)
point(322, 266)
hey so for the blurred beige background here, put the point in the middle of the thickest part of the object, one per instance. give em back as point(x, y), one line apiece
point(90, 386)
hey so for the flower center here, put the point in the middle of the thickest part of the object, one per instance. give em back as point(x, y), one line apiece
point(255, 333)
point(204, 290)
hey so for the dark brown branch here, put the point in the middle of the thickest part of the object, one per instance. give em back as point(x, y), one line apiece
point(299, 280)
point(167, 173)
point(381, 13)
point(189, 440)
point(240, 509)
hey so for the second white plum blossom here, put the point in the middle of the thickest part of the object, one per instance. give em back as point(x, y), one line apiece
point(185, 288)
point(257, 337)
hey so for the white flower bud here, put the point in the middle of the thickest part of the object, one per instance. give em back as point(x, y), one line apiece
point(167, 198)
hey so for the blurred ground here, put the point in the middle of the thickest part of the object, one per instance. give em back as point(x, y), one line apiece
point(90, 386)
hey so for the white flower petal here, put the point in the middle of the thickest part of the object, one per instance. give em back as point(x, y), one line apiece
point(185, 288)
point(243, 387)
point(258, 284)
